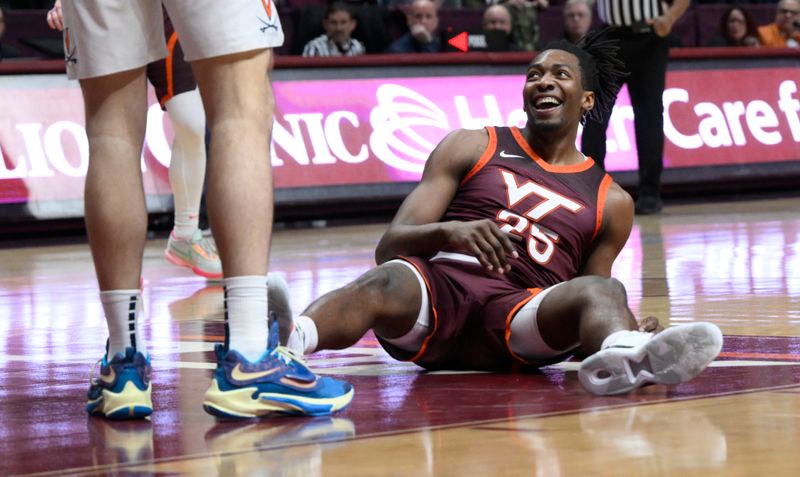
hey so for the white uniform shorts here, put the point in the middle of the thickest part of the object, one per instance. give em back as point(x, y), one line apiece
point(103, 37)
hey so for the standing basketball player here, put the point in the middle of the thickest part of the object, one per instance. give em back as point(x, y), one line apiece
point(107, 47)
point(503, 252)
point(176, 91)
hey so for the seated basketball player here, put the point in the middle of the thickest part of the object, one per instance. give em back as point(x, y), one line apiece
point(503, 252)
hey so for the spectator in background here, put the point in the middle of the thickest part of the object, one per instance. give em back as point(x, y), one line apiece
point(784, 32)
point(497, 18)
point(423, 23)
point(736, 28)
point(577, 19)
point(5, 51)
point(525, 24)
point(336, 41)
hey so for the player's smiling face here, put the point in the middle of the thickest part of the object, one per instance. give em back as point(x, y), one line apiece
point(553, 93)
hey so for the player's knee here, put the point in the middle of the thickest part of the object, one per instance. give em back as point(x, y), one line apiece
point(604, 289)
point(589, 291)
point(383, 285)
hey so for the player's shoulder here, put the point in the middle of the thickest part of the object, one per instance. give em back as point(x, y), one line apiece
point(467, 142)
point(618, 200)
point(470, 135)
point(460, 150)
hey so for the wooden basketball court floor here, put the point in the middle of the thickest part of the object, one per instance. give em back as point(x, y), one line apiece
point(736, 264)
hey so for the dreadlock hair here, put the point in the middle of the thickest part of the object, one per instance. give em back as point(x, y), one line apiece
point(601, 70)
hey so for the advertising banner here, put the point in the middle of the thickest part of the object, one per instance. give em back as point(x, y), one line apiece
point(381, 130)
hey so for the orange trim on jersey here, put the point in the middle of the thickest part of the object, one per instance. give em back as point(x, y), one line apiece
point(485, 157)
point(267, 7)
point(433, 308)
point(511, 315)
point(173, 39)
point(602, 192)
point(544, 164)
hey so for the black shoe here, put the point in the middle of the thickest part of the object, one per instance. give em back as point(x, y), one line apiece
point(648, 205)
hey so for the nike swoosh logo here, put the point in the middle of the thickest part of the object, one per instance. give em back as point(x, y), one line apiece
point(298, 384)
point(109, 378)
point(239, 375)
point(504, 154)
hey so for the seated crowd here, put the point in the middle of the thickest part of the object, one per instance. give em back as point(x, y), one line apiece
point(357, 27)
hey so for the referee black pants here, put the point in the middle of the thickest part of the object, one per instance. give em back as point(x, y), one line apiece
point(645, 57)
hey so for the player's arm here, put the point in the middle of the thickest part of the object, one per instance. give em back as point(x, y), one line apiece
point(417, 228)
point(616, 227)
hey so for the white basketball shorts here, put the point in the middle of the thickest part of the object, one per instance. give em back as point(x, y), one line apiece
point(103, 37)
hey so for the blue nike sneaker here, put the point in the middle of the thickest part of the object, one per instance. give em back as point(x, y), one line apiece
point(278, 383)
point(122, 390)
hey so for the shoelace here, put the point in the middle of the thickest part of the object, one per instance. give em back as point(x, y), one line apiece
point(288, 355)
point(92, 379)
point(208, 244)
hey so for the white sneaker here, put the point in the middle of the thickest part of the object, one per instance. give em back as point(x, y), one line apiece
point(673, 356)
point(198, 253)
point(280, 306)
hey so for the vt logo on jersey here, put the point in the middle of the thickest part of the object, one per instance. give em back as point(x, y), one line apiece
point(541, 242)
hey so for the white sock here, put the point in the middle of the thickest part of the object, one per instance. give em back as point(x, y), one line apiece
point(187, 168)
point(185, 224)
point(246, 327)
point(303, 338)
point(626, 338)
point(122, 309)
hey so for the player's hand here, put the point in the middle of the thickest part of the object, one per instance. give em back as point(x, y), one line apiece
point(484, 240)
point(650, 325)
point(54, 17)
point(662, 25)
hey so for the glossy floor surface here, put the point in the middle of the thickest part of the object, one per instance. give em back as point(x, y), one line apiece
point(734, 263)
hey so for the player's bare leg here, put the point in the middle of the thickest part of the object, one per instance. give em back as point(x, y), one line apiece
point(116, 222)
point(239, 105)
point(594, 312)
point(584, 310)
point(386, 299)
point(116, 215)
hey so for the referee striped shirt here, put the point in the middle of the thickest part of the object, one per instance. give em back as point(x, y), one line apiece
point(324, 46)
point(628, 12)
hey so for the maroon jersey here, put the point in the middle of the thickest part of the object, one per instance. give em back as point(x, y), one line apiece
point(556, 210)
